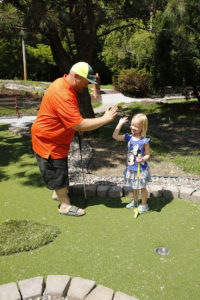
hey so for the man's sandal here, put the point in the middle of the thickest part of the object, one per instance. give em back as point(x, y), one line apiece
point(73, 211)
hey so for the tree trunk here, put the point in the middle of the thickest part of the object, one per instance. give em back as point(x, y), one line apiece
point(64, 64)
point(60, 56)
point(85, 106)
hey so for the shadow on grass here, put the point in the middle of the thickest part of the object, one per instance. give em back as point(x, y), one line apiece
point(33, 179)
point(3, 175)
point(12, 148)
point(92, 201)
point(155, 204)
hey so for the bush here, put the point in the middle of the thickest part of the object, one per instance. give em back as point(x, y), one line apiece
point(133, 83)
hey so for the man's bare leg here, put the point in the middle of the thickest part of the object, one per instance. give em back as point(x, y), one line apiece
point(65, 203)
point(54, 196)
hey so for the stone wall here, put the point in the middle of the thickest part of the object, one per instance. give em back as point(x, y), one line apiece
point(59, 287)
point(107, 191)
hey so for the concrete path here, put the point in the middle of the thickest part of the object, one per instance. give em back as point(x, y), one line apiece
point(18, 122)
point(108, 99)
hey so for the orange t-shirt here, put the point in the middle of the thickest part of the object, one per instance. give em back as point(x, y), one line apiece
point(52, 130)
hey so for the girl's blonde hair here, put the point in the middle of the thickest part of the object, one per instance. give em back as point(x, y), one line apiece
point(142, 118)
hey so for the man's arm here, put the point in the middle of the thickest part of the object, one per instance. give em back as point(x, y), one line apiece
point(94, 123)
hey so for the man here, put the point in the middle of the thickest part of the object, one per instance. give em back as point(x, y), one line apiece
point(53, 130)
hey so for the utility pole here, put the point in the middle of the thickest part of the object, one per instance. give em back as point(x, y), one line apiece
point(24, 55)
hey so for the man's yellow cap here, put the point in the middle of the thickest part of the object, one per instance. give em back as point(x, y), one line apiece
point(85, 70)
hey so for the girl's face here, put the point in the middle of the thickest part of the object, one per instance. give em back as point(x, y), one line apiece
point(136, 127)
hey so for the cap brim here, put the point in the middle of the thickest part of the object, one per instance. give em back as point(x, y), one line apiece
point(92, 81)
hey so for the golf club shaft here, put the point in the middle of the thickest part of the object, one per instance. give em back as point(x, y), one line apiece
point(138, 177)
point(80, 148)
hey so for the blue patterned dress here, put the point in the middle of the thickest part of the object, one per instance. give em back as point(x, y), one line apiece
point(130, 173)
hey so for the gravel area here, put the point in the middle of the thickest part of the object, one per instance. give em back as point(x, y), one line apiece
point(76, 174)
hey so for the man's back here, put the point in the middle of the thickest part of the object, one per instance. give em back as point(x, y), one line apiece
point(52, 130)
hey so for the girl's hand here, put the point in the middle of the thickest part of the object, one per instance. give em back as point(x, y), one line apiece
point(139, 159)
point(123, 120)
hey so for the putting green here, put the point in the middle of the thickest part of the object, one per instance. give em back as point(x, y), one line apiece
point(107, 244)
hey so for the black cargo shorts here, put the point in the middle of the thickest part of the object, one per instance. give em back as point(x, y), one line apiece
point(54, 172)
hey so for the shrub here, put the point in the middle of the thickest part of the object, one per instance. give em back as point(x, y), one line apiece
point(133, 83)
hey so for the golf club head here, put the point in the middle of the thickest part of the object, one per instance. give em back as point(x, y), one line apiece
point(136, 213)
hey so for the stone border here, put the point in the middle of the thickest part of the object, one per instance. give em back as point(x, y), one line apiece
point(59, 287)
point(107, 191)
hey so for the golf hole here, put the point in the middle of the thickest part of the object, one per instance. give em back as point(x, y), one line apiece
point(161, 251)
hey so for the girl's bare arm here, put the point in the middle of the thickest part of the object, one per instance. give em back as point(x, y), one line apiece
point(147, 152)
point(116, 135)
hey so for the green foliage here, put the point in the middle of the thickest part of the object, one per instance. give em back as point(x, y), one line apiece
point(114, 52)
point(132, 34)
point(42, 53)
point(10, 19)
point(10, 58)
point(23, 235)
point(130, 47)
point(66, 26)
point(133, 83)
point(176, 59)
point(140, 49)
point(40, 62)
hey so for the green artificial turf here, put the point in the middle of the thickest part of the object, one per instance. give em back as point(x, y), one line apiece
point(106, 245)
point(23, 235)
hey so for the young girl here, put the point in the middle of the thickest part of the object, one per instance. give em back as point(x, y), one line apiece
point(137, 144)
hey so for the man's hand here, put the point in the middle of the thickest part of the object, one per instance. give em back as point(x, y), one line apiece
point(111, 113)
point(94, 123)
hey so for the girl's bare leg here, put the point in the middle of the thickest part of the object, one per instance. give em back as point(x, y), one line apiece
point(135, 195)
point(144, 194)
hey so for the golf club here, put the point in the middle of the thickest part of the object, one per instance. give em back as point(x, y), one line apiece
point(80, 148)
point(136, 211)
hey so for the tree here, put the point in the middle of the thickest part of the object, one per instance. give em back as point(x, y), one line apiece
point(128, 48)
point(75, 24)
point(9, 58)
point(178, 62)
